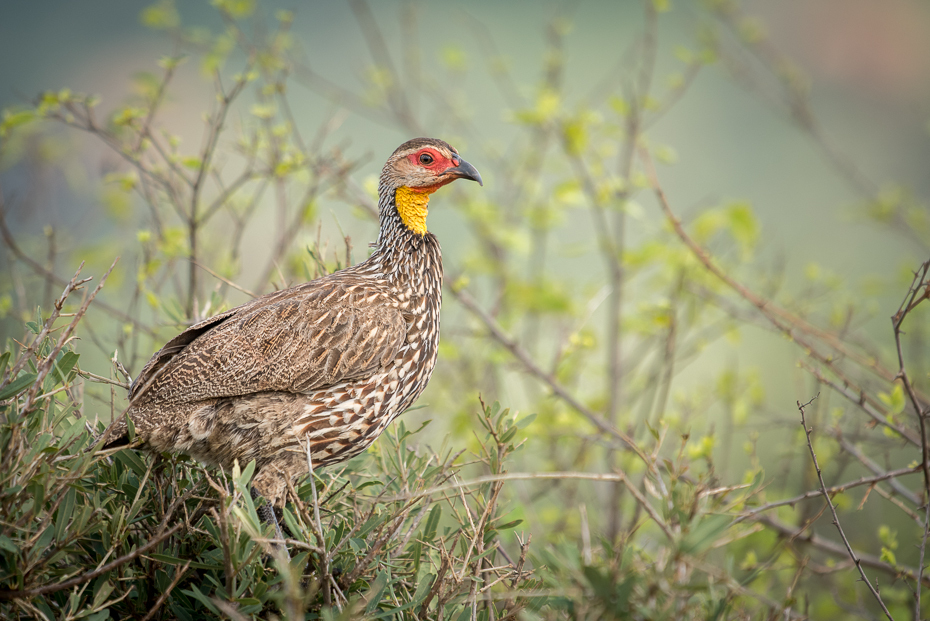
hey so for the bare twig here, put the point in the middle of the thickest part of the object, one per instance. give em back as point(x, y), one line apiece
point(836, 489)
point(920, 564)
point(45, 367)
point(73, 285)
point(164, 596)
point(836, 519)
point(226, 280)
point(509, 476)
point(324, 578)
point(520, 354)
point(102, 380)
point(876, 469)
point(38, 268)
point(786, 322)
point(917, 293)
point(90, 575)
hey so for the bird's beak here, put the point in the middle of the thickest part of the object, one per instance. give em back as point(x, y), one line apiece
point(464, 170)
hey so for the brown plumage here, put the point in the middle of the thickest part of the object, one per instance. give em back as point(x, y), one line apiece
point(331, 361)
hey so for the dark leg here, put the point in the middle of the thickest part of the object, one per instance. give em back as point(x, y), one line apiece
point(267, 515)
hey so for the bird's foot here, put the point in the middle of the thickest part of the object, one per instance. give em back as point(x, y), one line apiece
point(266, 514)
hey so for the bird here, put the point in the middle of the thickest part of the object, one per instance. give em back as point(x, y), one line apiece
point(326, 364)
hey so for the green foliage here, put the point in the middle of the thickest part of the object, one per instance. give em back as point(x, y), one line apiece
point(89, 535)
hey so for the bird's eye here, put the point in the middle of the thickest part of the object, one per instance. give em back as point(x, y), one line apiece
point(426, 159)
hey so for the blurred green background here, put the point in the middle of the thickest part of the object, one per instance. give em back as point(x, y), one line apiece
point(866, 65)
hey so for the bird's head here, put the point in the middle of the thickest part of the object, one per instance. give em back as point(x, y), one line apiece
point(416, 169)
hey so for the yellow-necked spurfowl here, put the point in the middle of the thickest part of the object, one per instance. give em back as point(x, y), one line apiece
point(331, 361)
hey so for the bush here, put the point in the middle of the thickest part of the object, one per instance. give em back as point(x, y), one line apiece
point(86, 535)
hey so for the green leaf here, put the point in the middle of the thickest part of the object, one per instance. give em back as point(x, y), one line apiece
point(377, 591)
point(45, 539)
point(12, 120)
point(102, 594)
point(161, 16)
point(705, 533)
point(249, 605)
point(743, 224)
point(65, 509)
point(291, 522)
point(131, 460)
point(61, 371)
point(237, 9)
point(418, 597)
point(454, 58)
point(173, 560)
point(508, 435)
point(7, 544)
point(432, 521)
point(246, 477)
point(191, 162)
point(894, 400)
point(888, 556)
point(16, 386)
point(263, 111)
point(203, 599)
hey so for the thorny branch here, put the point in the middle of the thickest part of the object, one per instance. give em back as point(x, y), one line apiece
point(918, 292)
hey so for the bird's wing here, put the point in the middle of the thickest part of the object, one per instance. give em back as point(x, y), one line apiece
point(298, 340)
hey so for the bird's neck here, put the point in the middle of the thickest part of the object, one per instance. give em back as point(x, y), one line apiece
point(412, 206)
point(402, 212)
point(403, 240)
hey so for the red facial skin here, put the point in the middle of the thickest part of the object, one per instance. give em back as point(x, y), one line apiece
point(439, 165)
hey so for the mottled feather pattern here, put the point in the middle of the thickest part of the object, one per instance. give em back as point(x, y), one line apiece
point(330, 362)
point(325, 334)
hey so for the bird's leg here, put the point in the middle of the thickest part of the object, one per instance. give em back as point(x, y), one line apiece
point(267, 515)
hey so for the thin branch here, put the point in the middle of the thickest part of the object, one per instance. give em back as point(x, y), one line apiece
point(226, 280)
point(164, 596)
point(836, 519)
point(920, 564)
point(917, 293)
point(510, 476)
point(102, 380)
point(40, 269)
point(793, 326)
point(45, 367)
point(866, 461)
point(324, 580)
point(836, 489)
point(520, 354)
point(90, 575)
point(863, 401)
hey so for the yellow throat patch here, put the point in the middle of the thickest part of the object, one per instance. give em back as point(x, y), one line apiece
point(412, 207)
